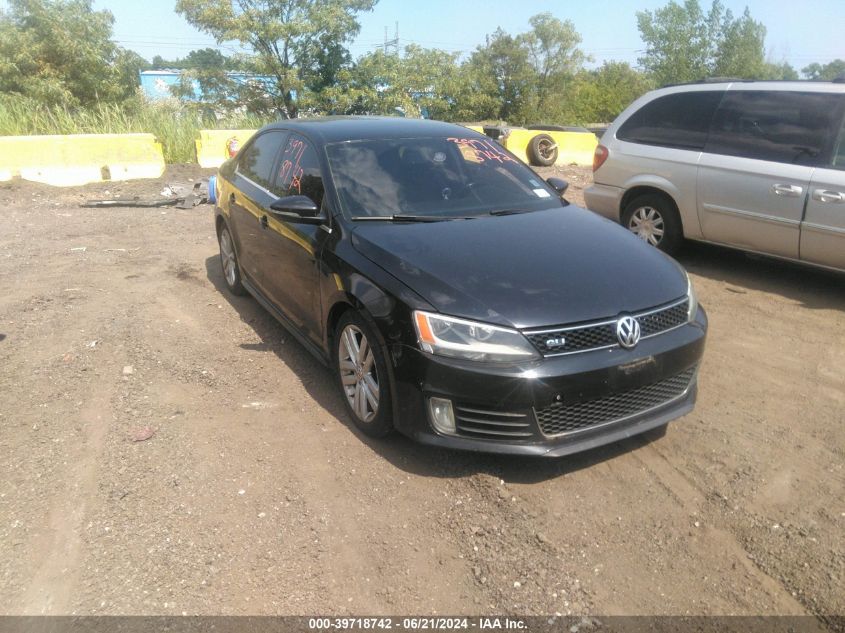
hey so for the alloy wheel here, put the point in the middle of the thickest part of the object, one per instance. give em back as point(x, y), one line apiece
point(647, 223)
point(358, 373)
point(227, 257)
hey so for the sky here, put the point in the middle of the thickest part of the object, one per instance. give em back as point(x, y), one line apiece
point(799, 33)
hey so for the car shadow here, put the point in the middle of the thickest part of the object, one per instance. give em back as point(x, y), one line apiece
point(400, 451)
point(813, 288)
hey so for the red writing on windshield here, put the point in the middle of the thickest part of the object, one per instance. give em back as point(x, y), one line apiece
point(479, 150)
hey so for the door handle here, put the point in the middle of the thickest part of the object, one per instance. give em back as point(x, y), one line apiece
point(788, 191)
point(825, 195)
point(264, 222)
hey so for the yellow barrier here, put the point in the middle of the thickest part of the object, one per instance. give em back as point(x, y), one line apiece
point(572, 147)
point(76, 159)
point(213, 145)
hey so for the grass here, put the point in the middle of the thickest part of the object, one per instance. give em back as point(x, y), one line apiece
point(174, 124)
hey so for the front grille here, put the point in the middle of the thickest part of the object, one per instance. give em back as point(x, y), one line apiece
point(597, 335)
point(496, 425)
point(559, 419)
point(662, 320)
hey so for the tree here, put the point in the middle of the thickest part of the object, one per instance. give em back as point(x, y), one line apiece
point(826, 72)
point(552, 48)
point(528, 73)
point(681, 40)
point(283, 34)
point(683, 43)
point(599, 96)
point(60, 52)
point(504, 62)
point(741, 52)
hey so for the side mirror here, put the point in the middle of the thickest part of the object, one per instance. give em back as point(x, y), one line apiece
point(558, 184)
point(301, 206)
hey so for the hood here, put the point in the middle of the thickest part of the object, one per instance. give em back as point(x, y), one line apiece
point(543, 268)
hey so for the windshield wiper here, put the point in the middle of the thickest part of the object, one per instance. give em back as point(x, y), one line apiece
point(510, 211)
point(399, 217)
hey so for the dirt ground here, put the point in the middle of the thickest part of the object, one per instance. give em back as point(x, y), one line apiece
point(255, 495)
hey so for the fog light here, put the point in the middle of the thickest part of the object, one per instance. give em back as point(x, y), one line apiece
point(441, 414)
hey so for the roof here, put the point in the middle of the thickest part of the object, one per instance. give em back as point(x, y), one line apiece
point(335, 129)
point(752, 84)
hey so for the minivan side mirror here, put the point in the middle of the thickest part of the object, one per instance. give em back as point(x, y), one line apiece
point(295, 208)
point(558, 184)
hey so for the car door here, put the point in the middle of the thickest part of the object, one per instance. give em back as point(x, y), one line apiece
point(755, 172)
point(823, 228)
point(290, 264)
point(250, 198)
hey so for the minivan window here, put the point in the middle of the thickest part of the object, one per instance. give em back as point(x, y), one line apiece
point(675, 120)
point(782, 126)
point(299, 171)
point(256, 160)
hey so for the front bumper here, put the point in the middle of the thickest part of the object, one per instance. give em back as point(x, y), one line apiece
point(607, 388)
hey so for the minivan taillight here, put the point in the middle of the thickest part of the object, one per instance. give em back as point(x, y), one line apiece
point(599, 157)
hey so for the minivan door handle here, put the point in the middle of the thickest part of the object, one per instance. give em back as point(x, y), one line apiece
point(789, 191)
point(825, 195)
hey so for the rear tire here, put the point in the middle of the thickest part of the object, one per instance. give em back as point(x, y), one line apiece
point(542, 151)
point(654, 219)
point(229, 262)
point(362, 375)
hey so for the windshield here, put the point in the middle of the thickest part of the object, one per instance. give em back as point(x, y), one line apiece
point(438, 177)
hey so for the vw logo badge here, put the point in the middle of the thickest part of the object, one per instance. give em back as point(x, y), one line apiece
point(628, 332)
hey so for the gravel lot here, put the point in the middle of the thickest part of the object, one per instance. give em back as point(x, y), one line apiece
point(255, 495)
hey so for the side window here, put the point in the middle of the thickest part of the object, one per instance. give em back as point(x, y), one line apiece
point(256, 161)
point(299, 171)
point(676, 120)
point(781, 126)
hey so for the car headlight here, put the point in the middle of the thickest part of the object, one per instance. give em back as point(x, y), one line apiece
point(692, 305)
point(458, 338)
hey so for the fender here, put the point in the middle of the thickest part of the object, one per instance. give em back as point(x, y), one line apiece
point(687, 208)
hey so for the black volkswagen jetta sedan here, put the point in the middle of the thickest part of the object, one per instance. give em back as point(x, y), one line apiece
point(455, 295)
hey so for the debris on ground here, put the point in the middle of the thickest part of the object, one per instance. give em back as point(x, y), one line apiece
point(143, 434)
point(197, 196)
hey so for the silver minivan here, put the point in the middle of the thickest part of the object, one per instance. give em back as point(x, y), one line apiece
point(758, 166)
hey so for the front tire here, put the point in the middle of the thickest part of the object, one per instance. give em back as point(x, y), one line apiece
point(362, 375)
point(655, 220)
point(229, 262)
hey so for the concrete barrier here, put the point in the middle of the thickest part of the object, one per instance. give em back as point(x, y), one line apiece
point(77, 159)
point(214, 146)
point(572, 147)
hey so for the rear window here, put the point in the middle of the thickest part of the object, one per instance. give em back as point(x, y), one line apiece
point(257, 160)
point(781, 126)
point(677, 120)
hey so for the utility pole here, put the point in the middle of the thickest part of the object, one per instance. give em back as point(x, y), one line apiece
point(394, 43)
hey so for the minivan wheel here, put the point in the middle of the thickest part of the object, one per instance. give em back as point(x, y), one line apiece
point(229, 262)
point(361, 372)
point(542, 150)
point(655, 220)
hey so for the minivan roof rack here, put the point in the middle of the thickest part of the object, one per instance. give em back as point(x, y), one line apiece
point(724, 80)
